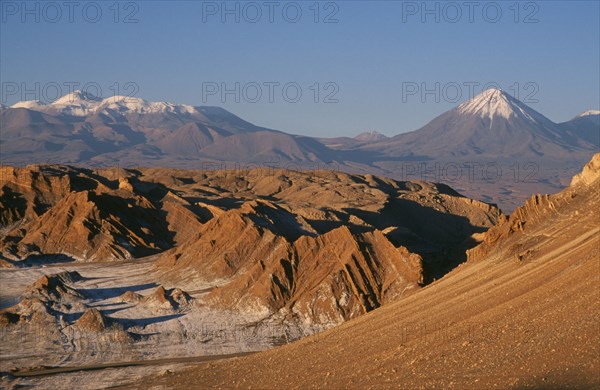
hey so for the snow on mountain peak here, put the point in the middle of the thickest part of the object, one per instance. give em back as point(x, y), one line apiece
point(588, 113)
point(370, 136)
point(124, 103)
point(30, 104)
point(76, 97)
point(76, 103)
point(495, 102)
point(80, 103)
point(138, 105)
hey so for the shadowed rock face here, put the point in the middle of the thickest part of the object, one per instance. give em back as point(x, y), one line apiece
point(320, 247)
point(317, 280)
point(80, 214)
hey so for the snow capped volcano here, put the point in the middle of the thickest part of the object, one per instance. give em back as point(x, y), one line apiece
point(493, 124)
point(497, 103)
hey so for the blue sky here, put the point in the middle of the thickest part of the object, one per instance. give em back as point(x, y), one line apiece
point(546, 52)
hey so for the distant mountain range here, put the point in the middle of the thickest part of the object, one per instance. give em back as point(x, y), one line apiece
point(83, 129)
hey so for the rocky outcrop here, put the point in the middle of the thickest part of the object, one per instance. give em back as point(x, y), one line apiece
point(180, 297)
point(55, 290)
point(46, 299)
point(537, 211)
point(160, 299)
point(29, 311)
point(130, 297)
point(590, 173)
point(91, 321)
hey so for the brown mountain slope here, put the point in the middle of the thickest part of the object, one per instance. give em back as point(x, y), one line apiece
point(124, 213)
point(503, 320)
point(321, 248)
point(322, 280)
point(58, 210)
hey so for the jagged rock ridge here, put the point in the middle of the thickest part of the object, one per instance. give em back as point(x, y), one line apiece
point(321, 247)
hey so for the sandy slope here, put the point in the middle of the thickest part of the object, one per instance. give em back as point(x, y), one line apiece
point(525, 314)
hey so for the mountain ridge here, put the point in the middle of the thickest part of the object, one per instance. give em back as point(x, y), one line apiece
point(492, 128)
